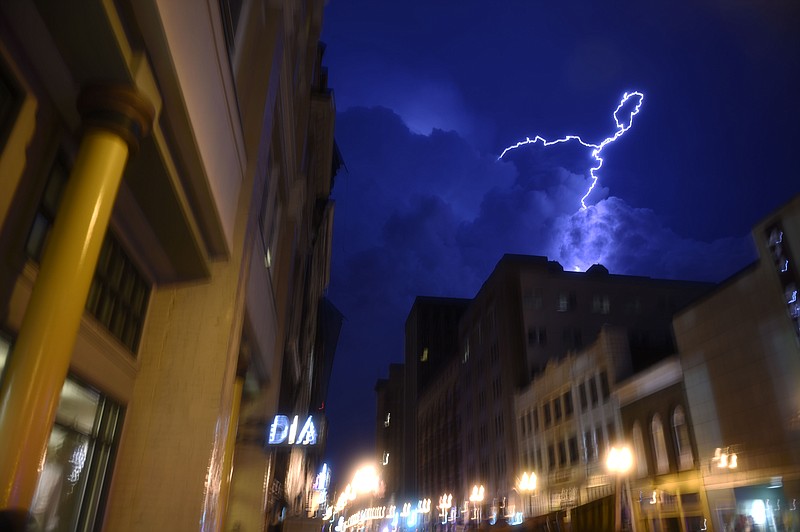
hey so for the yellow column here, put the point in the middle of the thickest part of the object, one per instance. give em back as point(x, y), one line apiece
point(114, 119)
point(230, 445)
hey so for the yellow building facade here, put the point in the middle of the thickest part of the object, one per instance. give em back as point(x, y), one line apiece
point(165, 227)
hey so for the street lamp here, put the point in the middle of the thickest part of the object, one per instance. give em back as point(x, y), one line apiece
point(619, 462)
point(475, 498)
point(527, 484)
point(445, 503)
point(725, 458)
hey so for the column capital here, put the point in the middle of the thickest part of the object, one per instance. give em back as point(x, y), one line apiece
point(118, 108)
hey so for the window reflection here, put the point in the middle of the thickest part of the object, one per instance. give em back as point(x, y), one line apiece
point(62, 482)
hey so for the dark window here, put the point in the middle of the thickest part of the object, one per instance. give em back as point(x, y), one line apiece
point(10, 100)
point(46, 214)
point(538, 459)
point(119, 294)
point(231, 11)
point(547, 418)
point(573, 450)
point(557, 408)
point(537, 336)
point(599, 443)
point(582, 393)
point(562, 454)
point(593, 390)
point(535, 419)
point(567, 398)
point(604, 388)
point(551, 456)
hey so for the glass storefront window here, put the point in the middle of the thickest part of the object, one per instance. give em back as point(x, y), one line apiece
point(70, 493)
point(79, 460)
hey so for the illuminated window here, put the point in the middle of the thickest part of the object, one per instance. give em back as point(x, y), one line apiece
point(638, 449)
point(386, 458)
point(79, 460)
point(659, 445)
point(424, 357)
point(5, 348)
point(388, 419)
point(682, 442)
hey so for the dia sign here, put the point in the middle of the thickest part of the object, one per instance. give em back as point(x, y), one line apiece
point(282, 431)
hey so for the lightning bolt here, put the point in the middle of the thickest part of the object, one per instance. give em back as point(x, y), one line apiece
point(597, 149)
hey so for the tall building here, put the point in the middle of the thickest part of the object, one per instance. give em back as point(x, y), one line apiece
point(431, 344)
point(438, 447)
point(665, 484)
point(528, 312)
point(740, 352)
point(567, 420)
point(389, 429)
point(165, 229)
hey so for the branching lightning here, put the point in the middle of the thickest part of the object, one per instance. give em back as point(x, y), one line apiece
point(597, 149)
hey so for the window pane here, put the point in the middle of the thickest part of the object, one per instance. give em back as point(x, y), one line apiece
point(57, 500)
point(36, 239)
point(5, 347)
point(78, 407)
point(604, 385)
point(78, 461)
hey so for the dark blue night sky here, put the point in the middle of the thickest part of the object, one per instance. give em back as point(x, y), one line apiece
point(428, 95)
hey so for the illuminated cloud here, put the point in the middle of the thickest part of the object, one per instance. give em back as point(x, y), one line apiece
point(629, 240)
point(430, 215)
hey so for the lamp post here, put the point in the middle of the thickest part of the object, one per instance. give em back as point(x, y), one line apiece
point(527, 485)
point(619, 462)
point(725, 459)
point(445, 503)
point(476, 497)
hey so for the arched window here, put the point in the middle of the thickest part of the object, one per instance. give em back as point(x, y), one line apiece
point(638, 449)
point(659, 445)
point(682, 443)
